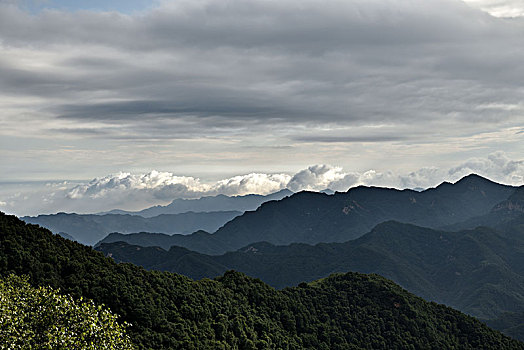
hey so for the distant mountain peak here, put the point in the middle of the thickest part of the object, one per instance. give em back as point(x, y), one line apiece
point(470, 182)
point(473, 179)
point(282, 191)
point(328, 191)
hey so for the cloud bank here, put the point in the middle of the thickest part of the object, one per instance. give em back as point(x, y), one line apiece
point(188, 84)
point(137, 191)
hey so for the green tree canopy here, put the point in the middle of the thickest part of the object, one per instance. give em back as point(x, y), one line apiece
point(41, 318)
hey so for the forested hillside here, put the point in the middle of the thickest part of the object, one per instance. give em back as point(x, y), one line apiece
point(478, 271)
point(234, 311)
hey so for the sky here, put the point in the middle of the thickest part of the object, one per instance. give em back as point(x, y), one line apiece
point(127, 104)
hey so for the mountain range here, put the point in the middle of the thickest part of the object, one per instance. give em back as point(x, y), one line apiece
point(208, 204)
point(461, 244)
point(170, 311)
point(479, 271)
point(182, 216)
point(312, 217)
point(476, 269)
point(430, 263)
point(89, 228)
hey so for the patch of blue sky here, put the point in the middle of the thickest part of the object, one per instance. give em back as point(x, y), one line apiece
point(123, 6)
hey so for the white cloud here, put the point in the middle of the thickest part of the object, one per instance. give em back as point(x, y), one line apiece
point(500, 8)
point(251, 183)
point(167, 186)
point(316, 177)
point(137, 191)
point(422, 178)
point(156, 182)
point(496, 166)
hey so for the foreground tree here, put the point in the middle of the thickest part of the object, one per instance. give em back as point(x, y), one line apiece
point(41, 318)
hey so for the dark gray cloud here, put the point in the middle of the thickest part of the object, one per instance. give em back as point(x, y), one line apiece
point(344, 139)
point(128, 110)
point(224, 81)
point(79, 131)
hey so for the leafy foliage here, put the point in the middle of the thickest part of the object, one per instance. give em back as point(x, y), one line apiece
point(170, 311)
point(42, 318)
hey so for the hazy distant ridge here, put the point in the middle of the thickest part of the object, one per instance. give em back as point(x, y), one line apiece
point(208, 204)
point(89, 228)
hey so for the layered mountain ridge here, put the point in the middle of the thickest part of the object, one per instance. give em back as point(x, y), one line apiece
point(312, 217)
point(169, 311)
point(208, 204)
point(90, 228)
point(486, 266)
point(182, 216)
point(478, 270)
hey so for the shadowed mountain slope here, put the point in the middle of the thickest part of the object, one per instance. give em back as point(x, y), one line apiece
point(503, 215)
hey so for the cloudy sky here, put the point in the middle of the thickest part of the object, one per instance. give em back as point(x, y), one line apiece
point(156, 100)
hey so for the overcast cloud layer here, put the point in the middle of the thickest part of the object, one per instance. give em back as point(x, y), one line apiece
point(212, 89)
point(138, 191)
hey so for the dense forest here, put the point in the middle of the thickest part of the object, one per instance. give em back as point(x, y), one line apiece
point(167, 310)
